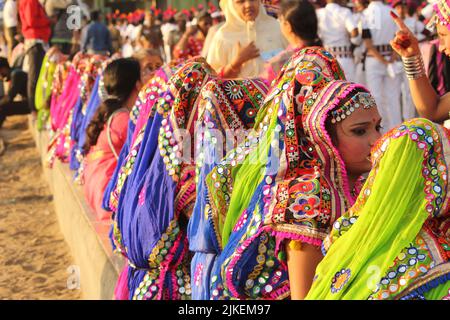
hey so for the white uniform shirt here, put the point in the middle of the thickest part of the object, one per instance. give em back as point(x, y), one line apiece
point(378, 20)
point(416, 27)
point(10, 14)
point(335, 24)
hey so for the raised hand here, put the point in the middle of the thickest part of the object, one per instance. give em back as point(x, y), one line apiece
point(404, 43)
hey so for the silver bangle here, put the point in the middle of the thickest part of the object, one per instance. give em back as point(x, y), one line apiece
point(414, 67)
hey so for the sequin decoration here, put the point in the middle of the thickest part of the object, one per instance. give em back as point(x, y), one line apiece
point(340, 280)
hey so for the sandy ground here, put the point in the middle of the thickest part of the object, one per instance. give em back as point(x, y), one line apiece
point(34, 258)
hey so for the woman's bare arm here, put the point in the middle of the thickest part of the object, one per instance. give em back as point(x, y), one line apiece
point(302, 263)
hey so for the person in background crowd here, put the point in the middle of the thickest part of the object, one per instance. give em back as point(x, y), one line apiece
point(167, 26)
point(406, 9)
point(339, 33)
point(428, 103)
point(150, 60)
point(17, 79)
point(18, 53)
point(247, 40)
point(298, 21)
point(193, 39)
point(107, 130)
point(176, 33)
point(383, 75)
point(211, 33)
point(403, 9)
point(151, 38)
point(97, 38)
point(10, 23)
point(36, 30)
point(150, 35)
point(122, 25)
point(116, 39)
point(359, 52)
point(77, 35)
point(61, 34)
point(3, 45)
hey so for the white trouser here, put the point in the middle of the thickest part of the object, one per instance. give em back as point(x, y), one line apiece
point(360, 74)
point(386, 91)
point(348, 65)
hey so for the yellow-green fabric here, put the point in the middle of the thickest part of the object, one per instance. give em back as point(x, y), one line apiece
point(380, 249)
point(44, 90)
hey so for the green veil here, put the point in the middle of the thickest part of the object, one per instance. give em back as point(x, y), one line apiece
point(388, 245)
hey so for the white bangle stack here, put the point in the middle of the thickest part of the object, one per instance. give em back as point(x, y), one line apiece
point(414, 67)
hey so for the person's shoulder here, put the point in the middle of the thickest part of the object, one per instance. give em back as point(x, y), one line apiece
point(120, 120)
point(121, 115)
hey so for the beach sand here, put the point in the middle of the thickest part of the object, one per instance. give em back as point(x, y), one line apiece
point(34, 257)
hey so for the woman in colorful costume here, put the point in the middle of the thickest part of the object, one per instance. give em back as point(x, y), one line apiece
point(151, 223)
point(227, 110)
point(289, 181)
point(107, 131)
point(142, 113)
point(84, 110)
point(141, 117)
point(394, 242)
point(44, 85)
point(61, 110)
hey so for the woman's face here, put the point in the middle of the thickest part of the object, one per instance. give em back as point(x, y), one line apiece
point(148, 66)
point(248, 10)
point(356, 135)
point(444, 39)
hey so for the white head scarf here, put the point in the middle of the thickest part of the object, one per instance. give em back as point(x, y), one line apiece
point(264, 31)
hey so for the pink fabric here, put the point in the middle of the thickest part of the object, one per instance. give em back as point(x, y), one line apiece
point(143, 118)
point(273, 67)
point(101, 163)
point(61, 109)
point(121, 291)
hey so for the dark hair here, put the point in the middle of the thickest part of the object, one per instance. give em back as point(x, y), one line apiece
point(119, 78)
point(95, 15)
point(4, 63)
point(301, 15)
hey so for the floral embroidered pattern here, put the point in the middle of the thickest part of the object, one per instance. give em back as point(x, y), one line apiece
point(340, 280)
